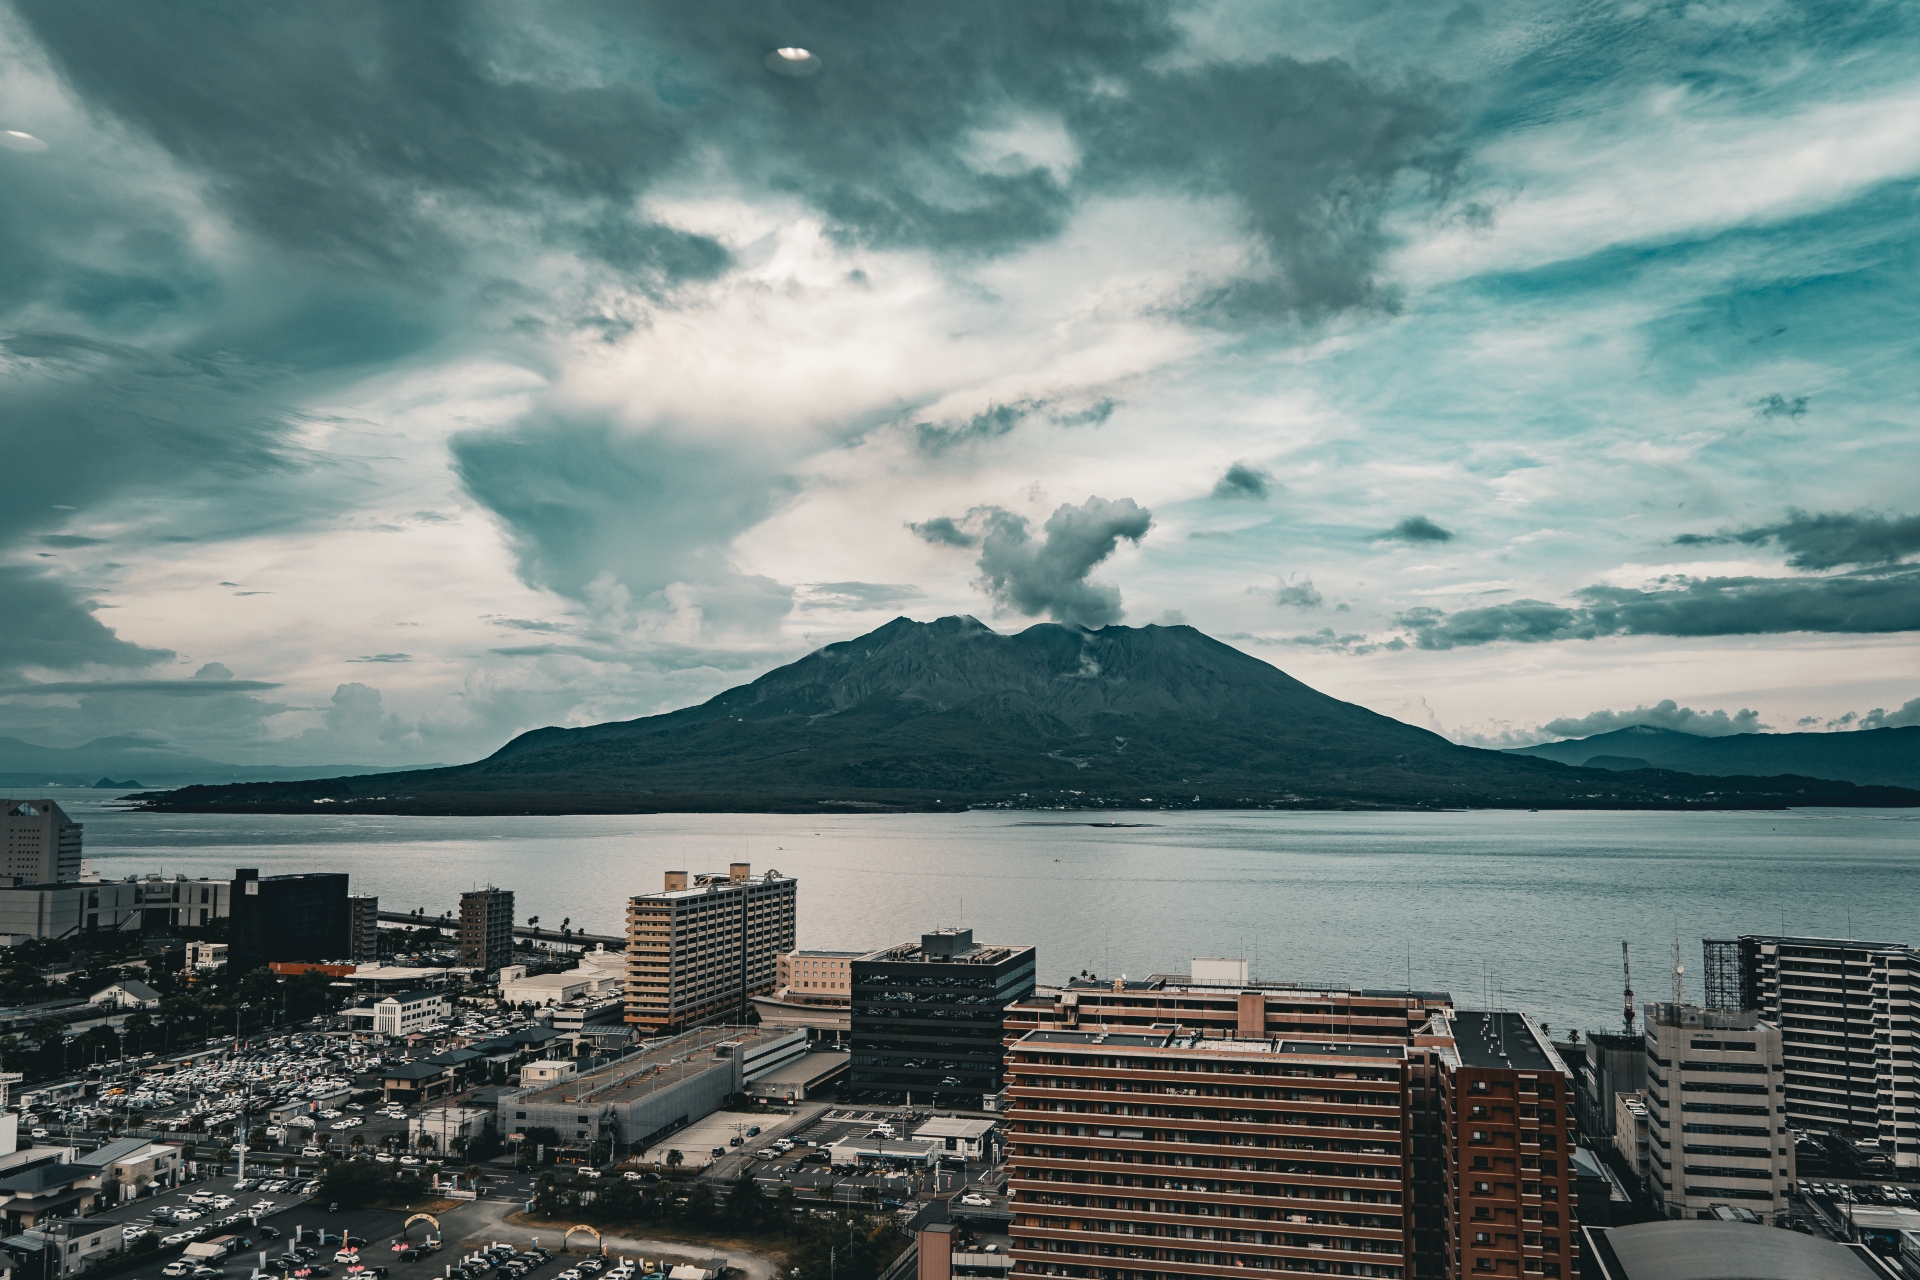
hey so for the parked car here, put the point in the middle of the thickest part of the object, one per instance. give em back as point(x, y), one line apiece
point(974, 1199)
point(179, 1267)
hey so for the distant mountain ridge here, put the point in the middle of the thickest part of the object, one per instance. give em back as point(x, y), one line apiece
point(152, 760)
point(947, 714)
point(1870, 757)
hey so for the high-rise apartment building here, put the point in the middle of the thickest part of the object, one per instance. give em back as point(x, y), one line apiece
point(1716, 1112)
point(927, 1019)
point(1158, 1153)
point(289, 918)
point(1846, 1019)
point(486, 928)
point(705, 945)
point(1501, 1099)
point(363, 928)
point(39, 843)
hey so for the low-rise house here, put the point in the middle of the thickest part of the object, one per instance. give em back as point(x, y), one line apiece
point(413, 1082)
point(131, 994)
point(61, 1247)
point(547, 1071)
point(137, 1167)
point(52, 1188)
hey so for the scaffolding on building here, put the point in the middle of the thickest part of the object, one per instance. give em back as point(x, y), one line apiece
point(1722, 973)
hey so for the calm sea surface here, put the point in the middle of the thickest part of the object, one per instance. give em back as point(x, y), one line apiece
point(1529, 906)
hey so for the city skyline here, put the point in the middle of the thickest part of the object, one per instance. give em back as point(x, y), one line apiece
point(376, 390)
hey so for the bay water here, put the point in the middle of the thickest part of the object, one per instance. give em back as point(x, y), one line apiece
point(1523, 910)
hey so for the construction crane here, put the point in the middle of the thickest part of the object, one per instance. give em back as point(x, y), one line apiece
point(1626, 967)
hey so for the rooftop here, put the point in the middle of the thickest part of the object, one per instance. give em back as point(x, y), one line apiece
point(1696, 1250)
point(637, 1075)
point(944, 946)
point(1497, 1040)
point(1186, 1042)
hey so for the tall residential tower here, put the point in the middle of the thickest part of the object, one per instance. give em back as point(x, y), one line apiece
point(705, 945)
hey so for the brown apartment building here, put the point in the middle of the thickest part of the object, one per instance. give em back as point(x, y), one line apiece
point(1145, 1154)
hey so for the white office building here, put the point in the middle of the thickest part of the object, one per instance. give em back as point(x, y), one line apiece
point(1716, 1112)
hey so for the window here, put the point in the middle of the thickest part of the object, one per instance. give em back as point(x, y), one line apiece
point(1481, 1237)
point(1478, 1086)
point(1483, 1188)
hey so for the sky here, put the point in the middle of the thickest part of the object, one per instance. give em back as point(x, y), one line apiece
point(378, 382)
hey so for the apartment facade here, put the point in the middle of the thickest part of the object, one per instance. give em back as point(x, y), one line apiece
point(816, 975)
point(1145, 1155)
point(927, 1019)
point(39, 843)
point(363, 929)
point(486, 928)
point(1846, 1017)
point(705, 945)
point(1717, 1112)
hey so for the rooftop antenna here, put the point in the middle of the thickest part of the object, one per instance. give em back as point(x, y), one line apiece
point(1679, 975)
point(1626, 968)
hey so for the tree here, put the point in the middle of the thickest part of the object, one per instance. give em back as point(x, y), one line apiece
point(138, 1028)
point(746, 1205)
point(675, 1159)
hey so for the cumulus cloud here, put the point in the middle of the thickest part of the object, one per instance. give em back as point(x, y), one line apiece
point(1298, 595)
point(1417, 529)
point(1665, 714)
point(1861, 603)
point(1048, 575)
point(1246, 481)
point(1828, 540)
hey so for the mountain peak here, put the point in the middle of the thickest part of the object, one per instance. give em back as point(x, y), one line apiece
point(949, 714)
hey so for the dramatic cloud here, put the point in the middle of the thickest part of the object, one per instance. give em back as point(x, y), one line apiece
point(1863, 603)
point(1828, 540)
point(1244, 480)
point(42, 625)
point(410, 326)
point(1665, 714)
point(1050, 575)
point(1418, 529)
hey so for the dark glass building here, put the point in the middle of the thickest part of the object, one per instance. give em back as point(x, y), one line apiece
point(298, 917)
point(927, 1019)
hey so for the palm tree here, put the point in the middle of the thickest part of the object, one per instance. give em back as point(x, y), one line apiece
point(675, 1159)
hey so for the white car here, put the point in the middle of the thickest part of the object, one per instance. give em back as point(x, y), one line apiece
point(39, 1133)
point(179, 1267)
point(186, 1215)
point(347, 1255)
point(132, 1231)
point(975, 1200)
point(409, 1159)
point(384, 1157)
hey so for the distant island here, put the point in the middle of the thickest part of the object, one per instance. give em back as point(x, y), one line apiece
point(949, 715)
